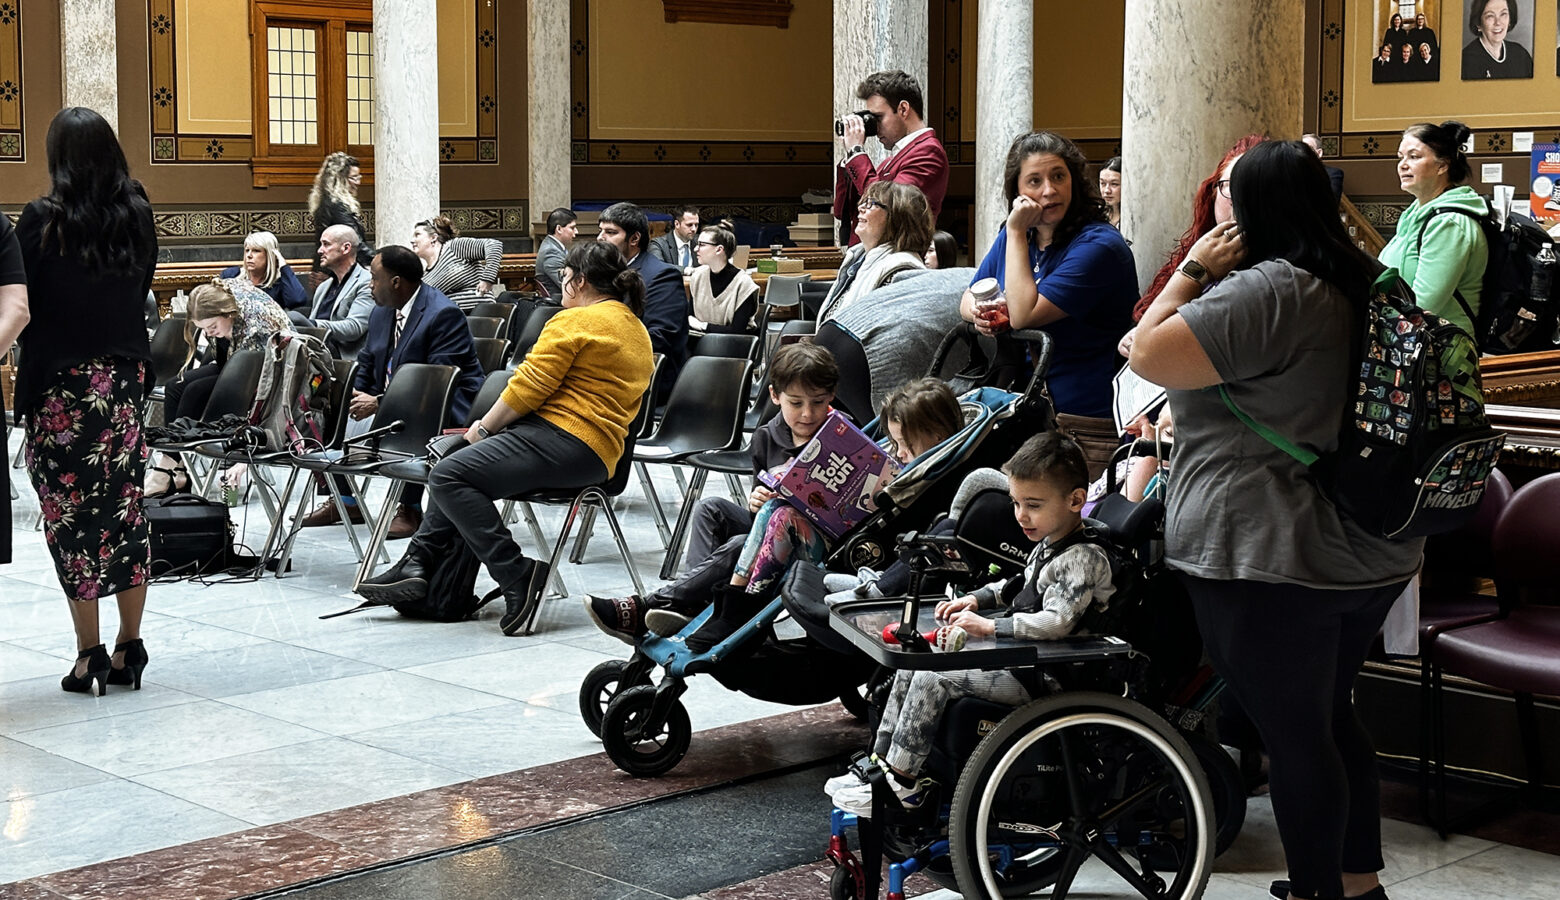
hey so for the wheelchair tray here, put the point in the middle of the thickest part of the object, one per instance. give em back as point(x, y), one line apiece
point(862, 622)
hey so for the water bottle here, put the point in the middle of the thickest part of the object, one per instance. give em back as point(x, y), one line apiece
point(1540, 288)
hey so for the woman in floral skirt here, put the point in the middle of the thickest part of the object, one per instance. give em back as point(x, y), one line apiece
point(90, 251)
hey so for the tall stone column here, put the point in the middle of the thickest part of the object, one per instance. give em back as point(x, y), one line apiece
point(1004, 105)
point(89, 57)
point(875, 37)
point(548, 107)
point(1198, 76)
point(406, 117)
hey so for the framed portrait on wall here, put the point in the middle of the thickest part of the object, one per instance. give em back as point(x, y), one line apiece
point(1406, 47)
point(1498, 37)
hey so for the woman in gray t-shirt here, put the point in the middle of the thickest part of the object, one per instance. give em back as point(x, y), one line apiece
point(1288, 593)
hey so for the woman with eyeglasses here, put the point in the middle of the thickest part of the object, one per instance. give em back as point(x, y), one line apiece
point(334, 201)
point(895, 225)
point(1288, 593)
point(464, 269)
point(233, 315)
point(724, 296)
point(1066, 271)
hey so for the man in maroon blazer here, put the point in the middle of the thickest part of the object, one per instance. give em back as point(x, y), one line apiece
point(915, 155)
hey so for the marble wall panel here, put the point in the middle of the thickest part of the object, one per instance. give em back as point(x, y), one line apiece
point(89, 57)
point(549, 105)
point(406, 117)
point(1004, 97)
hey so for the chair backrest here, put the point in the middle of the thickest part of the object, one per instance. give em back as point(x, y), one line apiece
point(490, 352)
point(343, 373)
point(644, 421)
point(727, 346)
point(485, 326)
point(854, 393)
point(418, 397)
point(492, 389)
point(1526, 541)
point(784, 290)
point(532, 329)
point(1468, 551)
point(234, 392)
point(706, 407)
point(169, 349)
point(493, 309)
point(312, 330)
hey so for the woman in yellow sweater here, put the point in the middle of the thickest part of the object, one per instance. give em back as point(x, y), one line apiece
point(560, 423)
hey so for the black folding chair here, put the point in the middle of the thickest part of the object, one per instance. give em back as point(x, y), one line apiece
point(493, 309)
point(486, 326)
point(411, 412)
point(170, 349)
point(491, 353)
point(232, 394)
point(525, 339)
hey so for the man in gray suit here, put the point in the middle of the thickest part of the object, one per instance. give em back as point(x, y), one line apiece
point(676, 246)
point(343, 301)
point(561, 227)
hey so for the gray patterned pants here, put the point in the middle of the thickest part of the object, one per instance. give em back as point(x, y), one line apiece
point(916, 703)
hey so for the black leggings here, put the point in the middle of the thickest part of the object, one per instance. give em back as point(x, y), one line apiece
point(1290, 655)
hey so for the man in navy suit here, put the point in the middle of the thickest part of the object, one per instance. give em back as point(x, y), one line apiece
point(624, 226)
point(411, 323)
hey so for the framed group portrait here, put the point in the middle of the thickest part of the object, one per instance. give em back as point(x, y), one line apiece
point(1406, 47)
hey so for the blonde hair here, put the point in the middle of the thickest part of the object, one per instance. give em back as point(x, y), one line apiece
point(331, 182)
point(265, 240)
point(207, 300)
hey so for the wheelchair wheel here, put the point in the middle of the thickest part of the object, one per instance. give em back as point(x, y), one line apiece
point(1227, 787)
point(599, 687)
point(855, 702)
point(641, 752)
point(1075, 776)
point(842, 884)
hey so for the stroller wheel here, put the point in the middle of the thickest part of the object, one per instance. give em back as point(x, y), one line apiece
point(1229, 789)
point(599, 687)
point(855, 702)
point(636, 744)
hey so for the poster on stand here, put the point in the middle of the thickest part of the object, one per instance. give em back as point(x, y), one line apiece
point(1544, 184)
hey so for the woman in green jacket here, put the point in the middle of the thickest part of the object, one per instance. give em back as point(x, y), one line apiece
point(1439, 247)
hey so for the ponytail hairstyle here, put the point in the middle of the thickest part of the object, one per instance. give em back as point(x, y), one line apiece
point(925, 409)
point(95, 212)
point(441, 228)
point(1446, 142)
point(213, 298)
point(602, 267)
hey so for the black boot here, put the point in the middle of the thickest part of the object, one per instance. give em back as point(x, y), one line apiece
point(734, 606)
point(403, 582)
point(522, 598)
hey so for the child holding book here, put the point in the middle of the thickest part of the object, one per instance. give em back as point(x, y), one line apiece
point(1066, 574)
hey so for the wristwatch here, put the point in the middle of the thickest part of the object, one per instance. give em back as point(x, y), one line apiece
point(857, 149)
point(482, 430)
point(1196, 271)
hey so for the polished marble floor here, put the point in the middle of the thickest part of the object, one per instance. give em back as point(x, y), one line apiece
point(269, 747)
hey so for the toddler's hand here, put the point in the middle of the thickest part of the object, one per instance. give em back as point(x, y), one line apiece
point(975, 624)
point(759, 497)
point(946, 609)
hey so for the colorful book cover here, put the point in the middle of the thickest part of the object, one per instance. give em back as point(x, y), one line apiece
point(1544, 184)
point(833, 478)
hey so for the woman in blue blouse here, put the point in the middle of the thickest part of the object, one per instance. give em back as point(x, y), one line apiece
point(1065, 271)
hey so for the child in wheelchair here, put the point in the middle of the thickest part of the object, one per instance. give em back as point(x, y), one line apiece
point(1067, 574)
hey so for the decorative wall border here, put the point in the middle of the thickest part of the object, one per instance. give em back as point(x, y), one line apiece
point(13, 146)
point(293, 224)
point(169, 145)
point(1379, 144)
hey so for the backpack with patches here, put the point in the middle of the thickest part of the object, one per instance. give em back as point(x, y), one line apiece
point(293, 397)
point(1416, 447)
point(1517, 312)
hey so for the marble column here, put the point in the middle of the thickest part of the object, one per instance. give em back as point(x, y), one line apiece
point(550, 131)
point(406, 117)
point(872, 37)
point(1004, 105)
point(1198, 76)
point(89, 57)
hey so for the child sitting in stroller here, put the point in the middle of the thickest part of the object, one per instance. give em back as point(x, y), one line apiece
point(1067, 573)
point(917, 416)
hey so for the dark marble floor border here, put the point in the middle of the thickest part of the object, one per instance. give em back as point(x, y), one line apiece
point(267, 859)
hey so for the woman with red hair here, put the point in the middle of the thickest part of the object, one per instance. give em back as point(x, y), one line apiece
point(1210, 206)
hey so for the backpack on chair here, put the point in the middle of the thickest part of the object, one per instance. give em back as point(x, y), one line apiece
point(1416, 447)
point(293, 396)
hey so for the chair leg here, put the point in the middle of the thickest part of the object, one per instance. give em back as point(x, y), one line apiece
point(346, 520)
point(735, 486)
point(529, 514)
point(582, 540)
point(380, 531)
point(285, 554)
point(280, 514)
point(684, 519)
point(643, 472)
point(1527, 729)
point(617, 535)
point(552, 561)
point(1438, 747)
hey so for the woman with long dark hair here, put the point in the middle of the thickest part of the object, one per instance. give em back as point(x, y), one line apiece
point(1065, 271)
point(90, 252)
point(1289, 594)
point(562, 422)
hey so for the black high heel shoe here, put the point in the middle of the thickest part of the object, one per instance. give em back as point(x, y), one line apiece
point(135, 661)
point(174, 487)
point(98, 665)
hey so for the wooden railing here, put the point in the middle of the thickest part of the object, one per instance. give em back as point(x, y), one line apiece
point(1364, 234)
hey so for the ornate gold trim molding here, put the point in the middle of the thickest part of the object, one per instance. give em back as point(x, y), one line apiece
point(13, 146)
